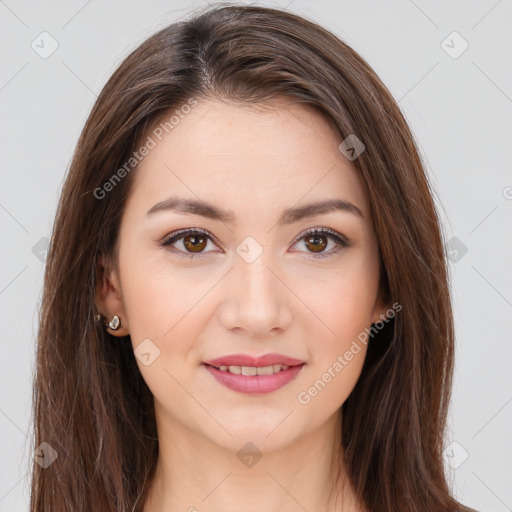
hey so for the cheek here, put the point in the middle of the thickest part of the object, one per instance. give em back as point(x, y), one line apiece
point(342, 298)
point(158, 289)
point(167, 313)
point(343, 305)
point(158, 297)
point(338, 354)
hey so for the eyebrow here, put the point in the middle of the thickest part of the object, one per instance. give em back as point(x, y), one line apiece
point(289, 216)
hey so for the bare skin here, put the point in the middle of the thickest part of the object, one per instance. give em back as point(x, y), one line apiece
point(255, 163)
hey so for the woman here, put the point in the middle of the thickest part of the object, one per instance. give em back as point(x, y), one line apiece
point(246, 297)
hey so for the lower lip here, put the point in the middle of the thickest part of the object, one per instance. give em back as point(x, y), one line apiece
point(255, 384)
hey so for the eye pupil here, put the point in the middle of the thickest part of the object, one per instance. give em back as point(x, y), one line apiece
point(196, 246)
point(316, 241)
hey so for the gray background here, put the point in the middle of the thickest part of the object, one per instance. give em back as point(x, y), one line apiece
point(459, 106)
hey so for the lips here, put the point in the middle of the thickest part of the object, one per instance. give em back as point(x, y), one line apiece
point(254, 375)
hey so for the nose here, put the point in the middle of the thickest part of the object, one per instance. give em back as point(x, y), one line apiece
point(257, 302)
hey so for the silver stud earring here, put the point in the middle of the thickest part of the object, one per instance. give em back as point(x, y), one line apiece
point(115, 323)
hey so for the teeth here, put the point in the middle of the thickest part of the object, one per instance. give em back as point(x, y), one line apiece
point(252, 370)
point(266, 370)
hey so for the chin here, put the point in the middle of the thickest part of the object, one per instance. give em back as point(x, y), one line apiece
point(266, 435)
point(251, 442)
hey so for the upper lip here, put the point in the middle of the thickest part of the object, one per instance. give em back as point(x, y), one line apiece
point(257, 362)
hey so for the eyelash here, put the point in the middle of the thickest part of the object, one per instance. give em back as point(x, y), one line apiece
point(340, 240)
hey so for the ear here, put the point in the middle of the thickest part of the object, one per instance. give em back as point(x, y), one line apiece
point(109, 298)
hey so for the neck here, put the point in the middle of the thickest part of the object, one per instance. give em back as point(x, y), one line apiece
point(194, 474)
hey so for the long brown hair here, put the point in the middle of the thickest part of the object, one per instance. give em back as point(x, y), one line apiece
point(91, 404)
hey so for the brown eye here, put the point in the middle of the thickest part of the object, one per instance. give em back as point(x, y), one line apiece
point(189, 242)
point(316, 243)
point(194, 243)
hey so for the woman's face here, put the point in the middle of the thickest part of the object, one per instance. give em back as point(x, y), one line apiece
point(251, 281)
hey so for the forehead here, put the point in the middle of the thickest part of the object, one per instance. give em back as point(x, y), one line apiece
point(247, 155)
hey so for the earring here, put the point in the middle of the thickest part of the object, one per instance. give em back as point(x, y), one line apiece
point(115, 323)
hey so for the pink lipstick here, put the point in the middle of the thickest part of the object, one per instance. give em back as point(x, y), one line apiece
point(254, 375)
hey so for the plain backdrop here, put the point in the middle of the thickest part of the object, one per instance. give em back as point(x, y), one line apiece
point(448, 64)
